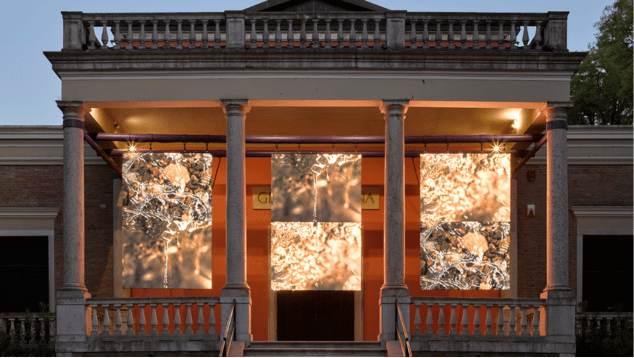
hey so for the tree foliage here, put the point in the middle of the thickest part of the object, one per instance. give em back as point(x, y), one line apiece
point(602, 87)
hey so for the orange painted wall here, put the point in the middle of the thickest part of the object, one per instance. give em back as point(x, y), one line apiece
point(258, 172)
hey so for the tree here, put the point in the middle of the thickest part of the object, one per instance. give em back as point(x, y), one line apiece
point(602, 87)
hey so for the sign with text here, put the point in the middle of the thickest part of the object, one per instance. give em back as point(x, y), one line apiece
point(262, 197)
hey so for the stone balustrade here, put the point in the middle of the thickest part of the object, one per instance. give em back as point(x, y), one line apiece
point(28, 328)
point(237, 30)
point(172, 318)
point(503, 318)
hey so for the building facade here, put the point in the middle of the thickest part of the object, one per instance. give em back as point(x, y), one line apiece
point(345, 77)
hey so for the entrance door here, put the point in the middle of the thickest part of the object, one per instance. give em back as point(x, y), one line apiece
point(315, 316)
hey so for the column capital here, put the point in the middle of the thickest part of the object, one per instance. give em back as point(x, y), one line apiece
point(394, 104)
point(73, 110)
point(230, 105)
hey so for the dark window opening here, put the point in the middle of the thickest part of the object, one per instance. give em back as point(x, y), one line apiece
point(23, 273)
point(607, 272)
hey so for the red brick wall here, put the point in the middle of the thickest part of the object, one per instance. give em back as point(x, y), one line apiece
point(588, 185)
point(41, 186)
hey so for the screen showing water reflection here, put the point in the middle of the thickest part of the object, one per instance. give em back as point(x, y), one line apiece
point(167, 220)
point(316, 222)
point(465, 221)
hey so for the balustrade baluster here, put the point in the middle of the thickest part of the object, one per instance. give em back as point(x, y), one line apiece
point(290, 37)
point(302, 34)
point(91, 35)
point(212, 318)
point(425, 34)
point(441, 320)
point(117, 320)
point(201, 319)
point(106, 321)
point(205, 35)
point(452, 319)
point(129, 36)
point(430, 320)
point(104, 35)
point(34, 329)
point(412, 34)
point(188, 319)
point(142, 331)
point(11, 327)
point(22, 330)
point(95, 322)
point(153, 321)
point(265, 34)
point(364, 33)
point(130, 322)
point(501, 36)
point(353, 34)
point(42, 328)
point(476, 35)
point(536, 321)
point(525, 37)
point(476, 323)
point(167, 37)
point(155, 37)
point(438, 36)
point(524, 324)
point(254, 35)
point(340, 34)
point(315, 38)
point(417, 322)
point(177, 319)
point(142, 35)
point(278, 33)
point(165, 322)
point(489, 320)
point(465, 320)
point(450, 36)
point(192, 34)
point(512, 324)
point(217, 36)
point(377, 34)
point(328, 35)
point(117, 35)
point(463, 34)
point(513, 38)
point(538, 36)
point(179, 34)
point(487, 36)
point(500, 319)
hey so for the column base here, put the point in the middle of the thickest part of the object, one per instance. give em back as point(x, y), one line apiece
point(72, 316)
point(560, 316)
point(242, 298)
point(388, 313)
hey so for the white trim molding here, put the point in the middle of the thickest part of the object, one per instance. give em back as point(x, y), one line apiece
point(599, 220)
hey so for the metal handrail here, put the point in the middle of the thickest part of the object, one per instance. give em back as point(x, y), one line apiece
point(227, 338)
point(404, 338)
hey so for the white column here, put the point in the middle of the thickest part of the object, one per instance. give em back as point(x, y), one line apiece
point(560, 309)
point(117, 244)
point(236, 287)
point(71, 310)
point(394, 287)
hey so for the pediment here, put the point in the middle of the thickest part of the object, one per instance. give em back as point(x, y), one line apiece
point(314, 6)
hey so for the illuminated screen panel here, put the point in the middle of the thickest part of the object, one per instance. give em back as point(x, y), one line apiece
point(465, 221)
point(316, 222)
point(167, 220)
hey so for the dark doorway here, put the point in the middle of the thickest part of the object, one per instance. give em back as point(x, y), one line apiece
point(23, 273)
point(315, 316)
point(607, 272)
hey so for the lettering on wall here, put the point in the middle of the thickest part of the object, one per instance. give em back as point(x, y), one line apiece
point(262, 197)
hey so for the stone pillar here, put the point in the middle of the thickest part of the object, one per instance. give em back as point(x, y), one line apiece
point(560, 309)
point(117, 243)
point(395, 29)
point(394, 287)
point(235, 30)
point(236, 287)
point(71, 299)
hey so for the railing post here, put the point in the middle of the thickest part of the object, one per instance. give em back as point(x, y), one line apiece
point(395, 29)
point(235, 29)
point(557, 30)
point(74, 30)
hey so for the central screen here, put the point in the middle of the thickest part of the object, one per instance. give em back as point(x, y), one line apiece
point(315, 222)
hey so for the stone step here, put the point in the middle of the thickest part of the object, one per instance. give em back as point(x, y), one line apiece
point(315, 349)
point(316, 344)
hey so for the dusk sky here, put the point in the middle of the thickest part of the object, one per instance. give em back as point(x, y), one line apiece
point(29, 87)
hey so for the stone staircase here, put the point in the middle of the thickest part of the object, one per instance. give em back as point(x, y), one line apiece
point(315, 349)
